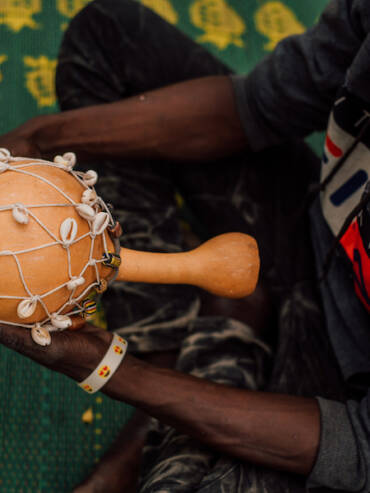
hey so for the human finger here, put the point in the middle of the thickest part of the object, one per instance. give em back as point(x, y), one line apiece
point(19, 146)
point(19, 339)
point(71, 353)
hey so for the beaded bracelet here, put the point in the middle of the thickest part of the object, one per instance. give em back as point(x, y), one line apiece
point(107, 366)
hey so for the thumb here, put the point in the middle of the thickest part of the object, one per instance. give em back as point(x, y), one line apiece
point(74, 353)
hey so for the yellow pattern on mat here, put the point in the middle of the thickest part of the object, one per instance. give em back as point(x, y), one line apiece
point(3, 58)
point(17, 14)
point(222, 24)
point(40, 79)
point(276, 21)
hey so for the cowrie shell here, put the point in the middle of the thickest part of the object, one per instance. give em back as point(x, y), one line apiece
point(60, 160)
point(89, 196)
point(41, 335)
point(68, 230)
point(20, 214)
point(86, 211)
point(60, 321)
point(100, 223)
point(4, 153)
point(26, 308)
point(70, 157)
point(75, 283)
point(50, 328)
point(90, 178)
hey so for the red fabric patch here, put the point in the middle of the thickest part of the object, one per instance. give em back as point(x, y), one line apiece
point(333, 148)
point(353, 245)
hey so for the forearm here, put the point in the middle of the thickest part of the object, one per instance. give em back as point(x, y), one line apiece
point(193, 120)
point(276, 430)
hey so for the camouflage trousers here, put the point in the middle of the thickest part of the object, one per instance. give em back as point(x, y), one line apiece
point(116, 49)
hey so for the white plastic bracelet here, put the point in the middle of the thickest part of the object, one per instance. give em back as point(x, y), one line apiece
point(106, 368)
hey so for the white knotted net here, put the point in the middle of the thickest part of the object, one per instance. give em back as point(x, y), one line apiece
point(91, 208)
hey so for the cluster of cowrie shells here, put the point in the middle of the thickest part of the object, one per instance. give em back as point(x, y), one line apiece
point(89, 208)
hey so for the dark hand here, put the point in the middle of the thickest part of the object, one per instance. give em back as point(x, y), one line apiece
point(19, 145)
point(22, 142)
point(74, 353)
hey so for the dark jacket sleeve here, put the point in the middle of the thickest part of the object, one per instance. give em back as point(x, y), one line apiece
point(290, 92)
point(344, 453)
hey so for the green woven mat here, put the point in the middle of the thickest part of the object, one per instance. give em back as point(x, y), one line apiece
point(44, 444)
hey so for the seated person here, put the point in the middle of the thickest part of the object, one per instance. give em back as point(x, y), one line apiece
point(156, 112)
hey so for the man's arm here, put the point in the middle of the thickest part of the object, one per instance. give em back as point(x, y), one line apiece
point(191, 121)
point(288, 95)
point(275, 430)
point(279, 431)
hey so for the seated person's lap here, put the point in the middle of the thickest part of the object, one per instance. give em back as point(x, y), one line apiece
point(249, 193)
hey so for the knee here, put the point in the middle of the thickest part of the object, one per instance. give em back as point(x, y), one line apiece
point(256, 310)
point(92, 51)
point(102, 27)
point(100, 15)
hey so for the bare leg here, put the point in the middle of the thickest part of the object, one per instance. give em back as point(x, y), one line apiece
point(118, 470)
